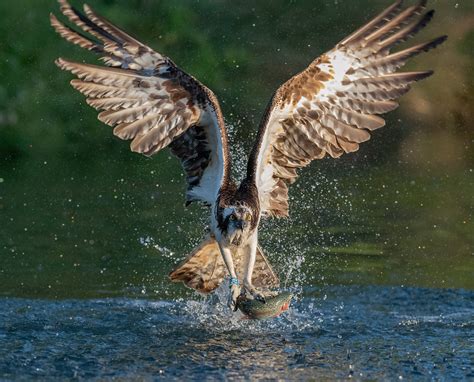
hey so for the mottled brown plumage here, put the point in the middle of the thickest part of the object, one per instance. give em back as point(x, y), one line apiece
point(149, 100)
point(329, 108)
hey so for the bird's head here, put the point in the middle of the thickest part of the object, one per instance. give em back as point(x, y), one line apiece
point(237, 223)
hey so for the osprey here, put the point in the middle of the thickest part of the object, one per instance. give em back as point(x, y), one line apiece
point(329, 108)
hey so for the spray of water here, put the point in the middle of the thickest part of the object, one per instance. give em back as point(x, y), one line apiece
point(289, 244)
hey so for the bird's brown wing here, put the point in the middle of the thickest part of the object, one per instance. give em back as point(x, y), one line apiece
point(333, 105)
point(149, 100)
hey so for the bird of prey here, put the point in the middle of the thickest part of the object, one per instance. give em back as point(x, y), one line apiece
point(329, 108)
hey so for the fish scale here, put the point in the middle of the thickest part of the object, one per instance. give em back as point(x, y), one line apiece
point(272, 307)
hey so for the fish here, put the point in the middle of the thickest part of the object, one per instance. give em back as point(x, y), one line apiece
point(272, 307)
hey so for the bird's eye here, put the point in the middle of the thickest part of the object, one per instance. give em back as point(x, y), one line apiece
point(232, 217)
point(247, 216)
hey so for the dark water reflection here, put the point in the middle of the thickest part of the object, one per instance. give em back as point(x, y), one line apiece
point(89, 247)
point(359, 332)
point(100, 231)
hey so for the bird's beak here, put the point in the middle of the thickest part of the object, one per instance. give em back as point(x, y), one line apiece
point(239, 224)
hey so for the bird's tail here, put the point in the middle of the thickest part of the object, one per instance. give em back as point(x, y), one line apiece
point(204, 269)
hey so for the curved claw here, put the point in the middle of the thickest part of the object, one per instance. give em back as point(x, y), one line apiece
point(235, 292)
point(252, 291)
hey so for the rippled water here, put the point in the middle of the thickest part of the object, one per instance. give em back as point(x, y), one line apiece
point(89, 232)
point(336, 332)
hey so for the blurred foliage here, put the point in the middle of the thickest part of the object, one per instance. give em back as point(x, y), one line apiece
point(242, 51)
point(75, 203)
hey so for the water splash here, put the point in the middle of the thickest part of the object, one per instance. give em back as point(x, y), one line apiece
point(149, 242)
point(198, 338)
point(292, 245)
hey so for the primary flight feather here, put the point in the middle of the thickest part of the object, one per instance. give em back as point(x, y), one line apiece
point(330, 108)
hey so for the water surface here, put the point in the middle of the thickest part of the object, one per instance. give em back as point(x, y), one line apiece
point(334, 332)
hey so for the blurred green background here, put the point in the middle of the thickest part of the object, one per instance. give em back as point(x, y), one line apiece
point(81, 216)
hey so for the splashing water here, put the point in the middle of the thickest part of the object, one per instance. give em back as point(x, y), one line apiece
point(365, 333)
point(288, 253)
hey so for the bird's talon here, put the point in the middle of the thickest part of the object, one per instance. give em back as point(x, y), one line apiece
point(235, 292)
point(252, 292)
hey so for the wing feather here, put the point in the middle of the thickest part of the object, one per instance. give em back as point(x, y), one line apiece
point(332, 106)
point(392, 62)
point(149, 100)
point(374, 24)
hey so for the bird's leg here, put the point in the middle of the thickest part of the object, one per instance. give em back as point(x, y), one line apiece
point(234, 281)
point(251, 249)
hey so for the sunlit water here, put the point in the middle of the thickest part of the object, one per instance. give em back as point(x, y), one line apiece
point(84, 290)
point(337, 332)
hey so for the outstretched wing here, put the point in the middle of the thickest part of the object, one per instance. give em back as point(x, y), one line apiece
point(333, 105)
point(149, 100)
